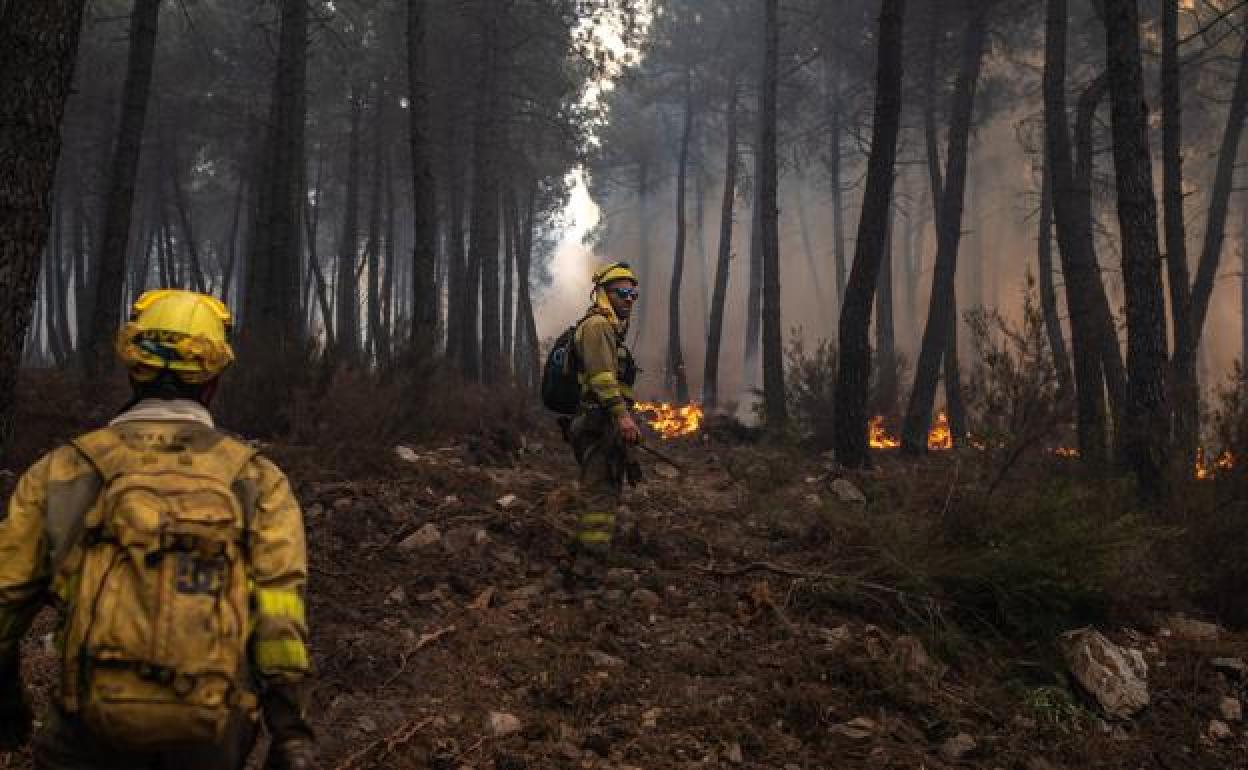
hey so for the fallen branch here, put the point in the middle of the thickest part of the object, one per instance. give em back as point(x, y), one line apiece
point(424, 641)
point(398, 738)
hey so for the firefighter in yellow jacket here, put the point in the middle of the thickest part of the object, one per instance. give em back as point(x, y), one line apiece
point(604, 427)
point(175, 557)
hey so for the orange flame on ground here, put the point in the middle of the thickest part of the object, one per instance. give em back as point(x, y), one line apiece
point(669, 420)
point(1207, 469)
point(877, 435)
point(938, 438)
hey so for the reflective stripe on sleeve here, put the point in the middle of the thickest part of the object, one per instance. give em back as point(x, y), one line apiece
point(281, 604)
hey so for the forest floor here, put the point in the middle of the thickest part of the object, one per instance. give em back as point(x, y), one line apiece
point(734, 630)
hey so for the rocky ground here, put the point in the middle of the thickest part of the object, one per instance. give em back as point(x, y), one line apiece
point(730, 634)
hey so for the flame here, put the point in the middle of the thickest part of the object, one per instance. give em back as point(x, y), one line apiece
point(1066, 451)
point(940, 437)
point(669, 420)
point(1207, 469)
point(878, 436)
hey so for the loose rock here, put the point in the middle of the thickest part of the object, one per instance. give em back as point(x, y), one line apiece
point(604, 660)
point(425, 537)
point(957, 747)
point(1116, 676)
point(646, 598)
point(1231, 709)
point(1192, 630)
point(1219, 730)
point(500, 723)
point(507, 501)
point(846, 492)
point(856, 729)
point(406, 454)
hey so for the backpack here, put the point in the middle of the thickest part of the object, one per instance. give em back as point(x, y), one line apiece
point(561, 390)
point(156, 589)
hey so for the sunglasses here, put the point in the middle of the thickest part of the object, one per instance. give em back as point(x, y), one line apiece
point(626, 293)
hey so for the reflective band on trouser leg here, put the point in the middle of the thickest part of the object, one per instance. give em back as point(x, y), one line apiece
point(281, 654)
point(280, 604)
point(595, 529)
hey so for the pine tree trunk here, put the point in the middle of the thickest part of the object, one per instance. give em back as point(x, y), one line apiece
point(677, 381)
point(83, 250)
point(274, 267)
point(1184, 392)
point(723, 262)
point(754, 291)
point(106, 308)
point(385, 340)
point(854, 366)
point(457, 318)
point(374, 234)
point(774, 406)
point(198, 281)
point(424, 295)
point(534, 360)
point(939, 342)
point(347, 324)
point(231, 247)
point(485, 206)
point(885, 330)
point(1078, 265)
point(1048, 288)
point(312, 224)
point(1146, 433)
point(509, 267)
point(1104, 327)
point(1186, 385)
point(832, 74)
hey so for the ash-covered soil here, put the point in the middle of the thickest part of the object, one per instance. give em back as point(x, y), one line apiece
point(730, 633)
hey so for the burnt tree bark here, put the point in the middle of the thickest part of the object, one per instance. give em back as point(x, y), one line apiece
point(106, 309)
point(723, 261)
point(938, 342)
point(483, 239)
point(1074, 240)
point(1145, 436)
point(424, 187)
point(677, 381)
point(1185, 388)
point(347, 323)
point(854, 368)
point(1048, 288)
point(273, 328)
point(774, 406)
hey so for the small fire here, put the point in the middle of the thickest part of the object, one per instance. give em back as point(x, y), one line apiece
point(940, 437)
point(669, 420)
point(878, 436)
point(1207, 469)
point(1066, 451)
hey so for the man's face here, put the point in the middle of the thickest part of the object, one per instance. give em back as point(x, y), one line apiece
point(622, 293)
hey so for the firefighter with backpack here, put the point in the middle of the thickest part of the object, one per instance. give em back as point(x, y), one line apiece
point(589, 377)
point(175, 557)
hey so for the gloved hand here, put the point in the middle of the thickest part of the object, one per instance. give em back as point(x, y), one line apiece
point(292, 754)
point(16, 718)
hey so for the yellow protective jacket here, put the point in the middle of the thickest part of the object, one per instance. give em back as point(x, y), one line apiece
point(45, 516)
point(607, 371)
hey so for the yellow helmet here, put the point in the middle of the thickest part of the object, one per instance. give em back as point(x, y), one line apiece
point(179, 331)
point(616, 271)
